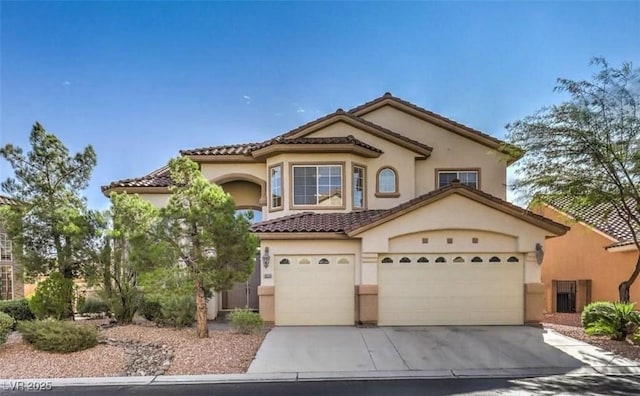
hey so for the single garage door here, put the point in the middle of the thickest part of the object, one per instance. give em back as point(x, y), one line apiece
point(481, 289)
point(314, 290)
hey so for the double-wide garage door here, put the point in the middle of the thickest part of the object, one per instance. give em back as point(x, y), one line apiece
point(481, 289)
point(314, 290)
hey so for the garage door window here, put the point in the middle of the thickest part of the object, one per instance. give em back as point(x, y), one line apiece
point(323, 261)
point(343, 261)
point(458, 260)
point(405, 260)
point(513, 259)
point(304, 261)
point(387, 260)
point(476, 259)
point(284, 261)
point(423, 260)
point(441, 260)
point(494, 259)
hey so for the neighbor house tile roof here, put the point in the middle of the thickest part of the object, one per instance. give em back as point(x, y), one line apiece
point(157, 178)
point(601, 217)
point(389, 96)
point(347, 222)
point(4, 200)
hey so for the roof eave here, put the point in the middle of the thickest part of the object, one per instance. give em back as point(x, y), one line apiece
point(107, 190)
point(300, 235)
point(315, 148)
point(222, 158)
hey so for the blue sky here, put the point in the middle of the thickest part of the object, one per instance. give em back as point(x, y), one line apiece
point(141, 80)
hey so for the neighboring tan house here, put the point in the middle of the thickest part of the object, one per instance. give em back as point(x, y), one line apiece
point(387, 213)
point(10, 271)
point(588, 262)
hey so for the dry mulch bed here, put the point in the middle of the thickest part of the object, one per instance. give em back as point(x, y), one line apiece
point(222, 353)
point(571, 326)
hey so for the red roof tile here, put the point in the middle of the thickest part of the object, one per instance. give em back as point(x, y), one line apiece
point(157, 178)
point(4, 200)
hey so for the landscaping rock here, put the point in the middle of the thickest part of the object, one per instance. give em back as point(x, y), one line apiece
point(143, 358)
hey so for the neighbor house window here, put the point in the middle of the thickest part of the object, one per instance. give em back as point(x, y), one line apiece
point(387, 182)
point(468, 178)
point(358, 187)
point(319, 185)
point(5, 247)
point(275, 182)
point(6, 282)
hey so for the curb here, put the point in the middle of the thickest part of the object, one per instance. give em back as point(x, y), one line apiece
point(321, 376)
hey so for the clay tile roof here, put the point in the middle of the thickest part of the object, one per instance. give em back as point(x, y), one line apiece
point(321, 140)
point(346, 222)
point(4, 200)
point(601, 217)
point(233, 149)
point(157, 178)
point(388, 95)
point(359, 120)
point(315, 222)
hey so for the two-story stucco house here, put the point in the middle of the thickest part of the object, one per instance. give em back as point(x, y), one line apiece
point(11, 284)
point(387, 213)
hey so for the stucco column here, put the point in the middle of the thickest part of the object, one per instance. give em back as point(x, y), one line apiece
point(533, 302)
point(367, 291)
point(266, 303)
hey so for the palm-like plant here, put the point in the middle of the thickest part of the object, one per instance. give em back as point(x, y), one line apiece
point(617, 320)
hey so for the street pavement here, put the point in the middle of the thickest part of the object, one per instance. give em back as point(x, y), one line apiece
point(554, 385)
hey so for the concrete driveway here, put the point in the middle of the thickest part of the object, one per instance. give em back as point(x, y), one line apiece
point(449, 350)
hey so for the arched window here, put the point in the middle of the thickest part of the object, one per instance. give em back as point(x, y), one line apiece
point(304, 261)
point(458, 260)
point(512, 259)
point(494, 259)
point(423, 260)
point(405, 260)
point(441, 260)
point(323, 261)
point(387, 260)
point(387, 181)
point(343, 261)
point(476, 260)
point(284, 261)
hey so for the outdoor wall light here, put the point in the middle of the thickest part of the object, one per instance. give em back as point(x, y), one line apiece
point(539, 253)
point(265, 257)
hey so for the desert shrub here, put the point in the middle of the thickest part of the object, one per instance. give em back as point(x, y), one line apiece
point(93, 305)
point(17, 309)
point(245, 321)
point(58, 336)
point(616, 320)
point(151, 310)
point(177, 311)
point(52, 298)
point(6, 326)
point(593, 311)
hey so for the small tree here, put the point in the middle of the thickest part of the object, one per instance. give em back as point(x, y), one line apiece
point(200, 224)
point(50, 226)
point(586, 150)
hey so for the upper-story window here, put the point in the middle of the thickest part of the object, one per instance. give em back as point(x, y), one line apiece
point(358, 187)
point(275, 183)
point(466, 177)
point(317, 185)
point(5, 247)
point(387, 183)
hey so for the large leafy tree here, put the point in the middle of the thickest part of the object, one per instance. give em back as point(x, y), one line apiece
point(586, 150)
point(51, 226)
point(200, 224)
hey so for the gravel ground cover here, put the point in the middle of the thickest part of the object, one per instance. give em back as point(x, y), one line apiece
point(223, 352)
point(570, 325)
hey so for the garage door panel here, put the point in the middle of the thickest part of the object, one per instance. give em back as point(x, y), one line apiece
point(450, 293)
point(313, 293)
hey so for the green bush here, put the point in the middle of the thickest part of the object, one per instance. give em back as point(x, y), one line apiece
point(177, 311)
point(93, 305)
point(52, 298)
point(151, 310)
point(245, 321)
point(58, 336)
point(616, 320)
point(17, 309)
point(6, 326)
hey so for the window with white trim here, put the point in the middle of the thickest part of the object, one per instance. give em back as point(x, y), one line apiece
point(5, 247)
point(387, 182)
point(6, 282)
point(317, 185)
point(358, 187)
point(468, 178)
point(275, 183)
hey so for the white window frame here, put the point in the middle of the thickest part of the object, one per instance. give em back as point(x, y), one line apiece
point(317, 204)
point(279, 186)
point(10, 276)
point(6, 248)
point(458, 174)
point(363, 204)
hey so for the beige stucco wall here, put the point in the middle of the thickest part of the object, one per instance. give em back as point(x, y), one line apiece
point(213, 172)
point(157, 200)
point(580, 255)
point(450, 151)
point(245, 194)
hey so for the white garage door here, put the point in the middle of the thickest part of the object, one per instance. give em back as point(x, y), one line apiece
point(314, 290)
point(465, 289)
